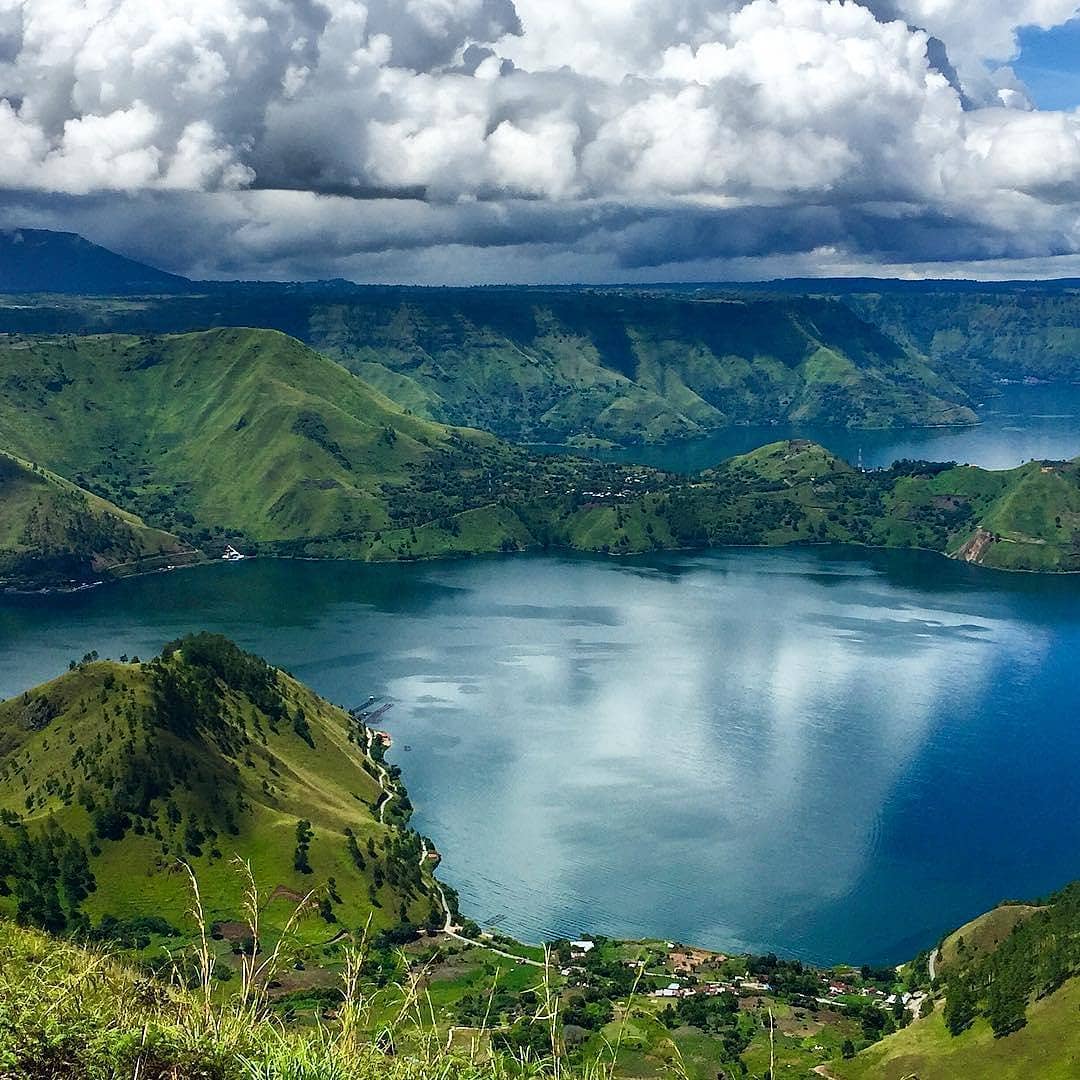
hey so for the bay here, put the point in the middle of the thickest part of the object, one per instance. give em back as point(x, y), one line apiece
point(1020, 424)
point(829, 753)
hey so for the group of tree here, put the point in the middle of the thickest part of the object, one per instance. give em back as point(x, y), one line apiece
point(1040, 954)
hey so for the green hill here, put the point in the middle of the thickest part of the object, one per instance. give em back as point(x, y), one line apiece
point(240, 432)
point(565, 366)
point(250, 437)
point(1010, 983)
point(1048, 1048)
point(116, 773)
point(54, 533)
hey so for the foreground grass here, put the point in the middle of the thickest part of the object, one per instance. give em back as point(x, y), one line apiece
point(74, 1014)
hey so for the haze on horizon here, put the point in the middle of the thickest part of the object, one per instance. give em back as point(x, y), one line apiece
point(467, 141)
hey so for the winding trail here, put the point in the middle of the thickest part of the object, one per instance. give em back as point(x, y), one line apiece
point(931, 964)
point(388, 792)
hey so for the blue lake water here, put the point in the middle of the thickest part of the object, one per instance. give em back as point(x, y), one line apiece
point(829, 753)
point(1023, 422)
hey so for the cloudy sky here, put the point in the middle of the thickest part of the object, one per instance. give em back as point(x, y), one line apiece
point(549, 140)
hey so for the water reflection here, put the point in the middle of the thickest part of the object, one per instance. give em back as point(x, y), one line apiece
point(831, 754)
point(712, 744)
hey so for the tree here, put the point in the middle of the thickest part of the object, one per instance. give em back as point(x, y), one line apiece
point(304, 834)
point(848, 1049)
point(1006, 1002)
point(960, 1004)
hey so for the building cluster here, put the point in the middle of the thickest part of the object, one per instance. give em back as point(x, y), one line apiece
point(740, 984)
point(837, 989)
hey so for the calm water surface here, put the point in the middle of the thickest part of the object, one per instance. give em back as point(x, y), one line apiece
point(832, 754)
point(1024, 422)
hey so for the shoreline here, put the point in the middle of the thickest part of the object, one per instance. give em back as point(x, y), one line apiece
point(451, 556)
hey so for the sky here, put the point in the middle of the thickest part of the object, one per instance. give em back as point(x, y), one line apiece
point(465, 141)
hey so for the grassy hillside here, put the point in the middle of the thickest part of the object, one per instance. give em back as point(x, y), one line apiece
point(231, 431)
point(1048, 1048)
point(797, 492)
point(54, 533)
point(537, 365)
point(116, 773)
point(1010, 983)
point(981, 936)
point(76, 1014)
point(249, 437)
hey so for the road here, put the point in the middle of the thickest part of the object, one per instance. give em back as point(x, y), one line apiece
point(384, 777)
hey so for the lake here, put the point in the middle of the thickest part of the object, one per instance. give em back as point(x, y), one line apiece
point(1023, 422)
point(833, 754)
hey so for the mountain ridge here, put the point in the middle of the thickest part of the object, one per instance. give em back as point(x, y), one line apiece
point(248, 437)
point(532, 364)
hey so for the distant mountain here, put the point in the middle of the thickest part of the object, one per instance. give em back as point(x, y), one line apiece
point(569, 366)
point(42, 261)
point(562, 366)
point(973, 334)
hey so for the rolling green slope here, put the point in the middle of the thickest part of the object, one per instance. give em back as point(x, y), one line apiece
point(116, 773)
point(250, 437)
point(243, 431)
point(549, 365)
point(1011, 989)
point(54, 533)
point(1047, 1049)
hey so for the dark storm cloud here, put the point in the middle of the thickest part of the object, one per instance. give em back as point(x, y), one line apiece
point(248, 136)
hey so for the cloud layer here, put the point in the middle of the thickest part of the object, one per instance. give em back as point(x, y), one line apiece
point(391, 134)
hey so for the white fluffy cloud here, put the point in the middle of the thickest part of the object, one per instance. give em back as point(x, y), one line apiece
point(795, 123)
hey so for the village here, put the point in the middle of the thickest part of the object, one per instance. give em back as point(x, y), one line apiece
point(694, 973)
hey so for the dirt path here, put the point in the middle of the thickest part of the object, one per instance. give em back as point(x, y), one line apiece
point(931, 964)
point(384, 777)
point(480, 943)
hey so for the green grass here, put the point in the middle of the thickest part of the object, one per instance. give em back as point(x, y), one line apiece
point(98, 739)
point(984, 934)
point(53, 532)
point(1048, 1048)
point(71, 1014)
